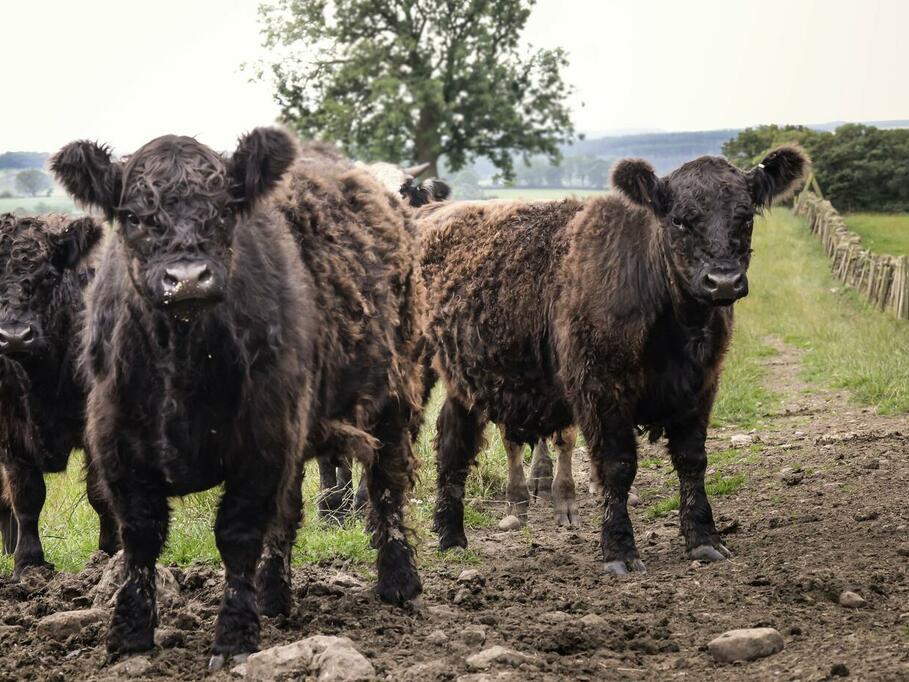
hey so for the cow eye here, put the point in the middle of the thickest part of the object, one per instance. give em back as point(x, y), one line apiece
point(226, 214)
point(679, 223)
point(131, 219)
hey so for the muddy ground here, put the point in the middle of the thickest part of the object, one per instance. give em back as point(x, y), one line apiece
point(824, 508)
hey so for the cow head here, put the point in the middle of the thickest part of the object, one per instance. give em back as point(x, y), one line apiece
point(176, 204)
point(36, 255)
point(403, 181)
point(706, 210)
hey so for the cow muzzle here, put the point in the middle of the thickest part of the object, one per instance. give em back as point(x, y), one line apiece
point(189, 287)
point(724, 287)
point(18, 338)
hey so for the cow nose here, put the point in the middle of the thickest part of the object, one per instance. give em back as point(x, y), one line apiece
point(17, 337)
point(725, 286)
point(187, 280)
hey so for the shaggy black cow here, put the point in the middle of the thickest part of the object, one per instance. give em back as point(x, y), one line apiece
point(611, 313)
point(228, 338)
point(42, 400)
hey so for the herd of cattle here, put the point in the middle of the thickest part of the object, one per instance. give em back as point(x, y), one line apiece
point(241, 314)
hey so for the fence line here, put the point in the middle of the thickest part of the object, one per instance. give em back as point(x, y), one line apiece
point(882, 279)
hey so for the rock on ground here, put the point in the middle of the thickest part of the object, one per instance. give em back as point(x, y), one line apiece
point(59, 626)
point(327, 658)
point(497, 655)
point(852, 600)
point(167, 588)
point(510, 522)
point(741, 440)
point(746, 645)
point(134, 666)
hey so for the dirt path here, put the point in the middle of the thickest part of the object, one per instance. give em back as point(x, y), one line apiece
point(824, 507)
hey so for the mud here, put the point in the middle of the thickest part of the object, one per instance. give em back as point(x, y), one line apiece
point(824, 508)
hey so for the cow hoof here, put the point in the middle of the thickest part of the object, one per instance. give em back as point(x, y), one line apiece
point(449, 540)
point(21, 570)
point(709, 553)
point(621, 567)
point(217, 661)
point(566, 512)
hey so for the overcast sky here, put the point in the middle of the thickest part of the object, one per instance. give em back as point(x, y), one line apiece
point(125, 72)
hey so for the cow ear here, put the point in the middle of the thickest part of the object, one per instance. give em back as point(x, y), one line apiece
point(86, 171)
point(782, 172)
point(75, 242)
point(260, 161)
point(636, 179)
point(438, 189)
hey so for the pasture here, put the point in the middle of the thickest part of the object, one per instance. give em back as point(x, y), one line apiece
point(539, 194)
point(883, 233)
point(30, 205)
point(814, 505)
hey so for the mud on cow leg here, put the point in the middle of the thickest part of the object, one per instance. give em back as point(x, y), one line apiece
point(27, 494)
point(689, 457)
point(143, 514)
point(389, 478)
point(516, 492)
point(613, 451)
point(541, 471)
point(273, 574)
point(458, 439)
point(564, 504)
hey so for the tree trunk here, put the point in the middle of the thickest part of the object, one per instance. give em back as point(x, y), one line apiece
point(426, 143)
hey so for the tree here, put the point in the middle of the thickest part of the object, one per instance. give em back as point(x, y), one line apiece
point(33, 181)
point(415, 80)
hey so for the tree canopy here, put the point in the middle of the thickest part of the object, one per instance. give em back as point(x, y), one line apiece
point(33, 182)
point(416, 80)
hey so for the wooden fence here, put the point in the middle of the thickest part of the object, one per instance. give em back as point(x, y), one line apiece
point(883, 280)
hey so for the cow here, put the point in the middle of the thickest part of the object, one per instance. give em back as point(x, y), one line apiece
point(249, 312)
point(608, 313)
point(337, 499)
point(42, 398)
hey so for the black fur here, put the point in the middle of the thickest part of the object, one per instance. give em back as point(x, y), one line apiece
point(42, 399)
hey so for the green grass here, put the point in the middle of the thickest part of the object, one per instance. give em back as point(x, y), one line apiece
point(38, 205)
point(529, 194)
point(884, 233)
point(717, 485)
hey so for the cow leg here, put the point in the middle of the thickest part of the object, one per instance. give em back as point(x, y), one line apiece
point(613, 451)
point(9, 529)
point(109, 534)
point(140, 503)
point(361, 499)
point(248, 509)
point(689, 457)
point(335, 482)
point(459, 434)
point(273, 575)
point(516, 492)
point(27, 494)
point(564, 505)
point(541, 471)
point(389, 477)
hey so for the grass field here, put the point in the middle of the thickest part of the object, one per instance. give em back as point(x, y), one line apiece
point(794, 300)
point(37, 205)
point(540, 194)
point(882, 232)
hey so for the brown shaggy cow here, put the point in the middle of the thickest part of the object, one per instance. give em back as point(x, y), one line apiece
point(609, 313)
point(234, 329)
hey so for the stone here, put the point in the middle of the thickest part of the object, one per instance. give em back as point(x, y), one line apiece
point(134, 666)
point(592, 620)
point(555, 617)
point(473, 635)
point(633, 498)
point(791, 476)
point(741, 440)
point(59, 626)
point(852, 600)
point(871, 515)
point(839, 670)
point(497, 655)
point(746, 644)
point(167, 589)
point(327, 658)
point(510, 522)
point(437, 637)
point(471, 576)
